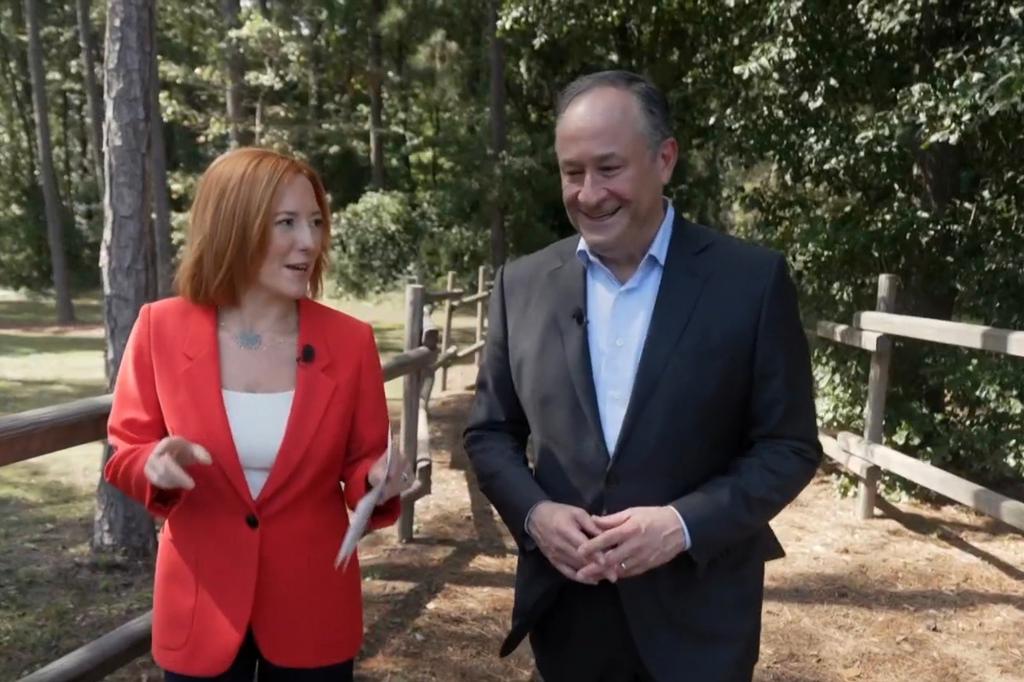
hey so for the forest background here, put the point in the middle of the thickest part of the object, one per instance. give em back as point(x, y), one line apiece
point(857, 137)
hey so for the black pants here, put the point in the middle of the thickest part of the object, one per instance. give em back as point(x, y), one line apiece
point(583, 637)
point(249, 666)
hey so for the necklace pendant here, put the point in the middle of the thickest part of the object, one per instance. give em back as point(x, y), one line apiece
point(249, 340)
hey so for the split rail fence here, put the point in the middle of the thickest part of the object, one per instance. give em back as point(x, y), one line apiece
point(865, 454)
point(38, 432)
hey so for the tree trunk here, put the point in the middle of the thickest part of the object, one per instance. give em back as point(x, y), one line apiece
point(23, 94)
point(65, 148)
point(315, 67)
point(93, 93)
point(403, 97)
point(85, 167)
point(163, 249)
point(498, 134)
point(121, 524)
point(930, 289)
point(230, 10)
point(10, 122)
point(47, 176)
point(434, 149)
point(376, 75)
point(258, 128)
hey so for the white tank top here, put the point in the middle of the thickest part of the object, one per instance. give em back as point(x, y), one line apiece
point(257, 422)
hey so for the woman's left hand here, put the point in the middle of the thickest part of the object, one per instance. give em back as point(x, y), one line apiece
point(397, 479)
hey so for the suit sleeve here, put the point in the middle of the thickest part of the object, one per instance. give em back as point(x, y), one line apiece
point(495, 438)
point(368, 438)
point(783, 451)
point(136, 423)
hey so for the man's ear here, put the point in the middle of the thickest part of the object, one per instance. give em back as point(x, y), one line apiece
point(668, 155)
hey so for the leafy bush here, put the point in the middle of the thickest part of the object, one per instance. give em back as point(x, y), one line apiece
point(375, 240)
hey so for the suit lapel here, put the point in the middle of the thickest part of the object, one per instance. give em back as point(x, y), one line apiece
point(681, 284)
point(313, 390)
point(569, 294)
point(201, 375)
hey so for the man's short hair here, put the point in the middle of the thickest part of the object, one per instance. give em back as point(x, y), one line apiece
point(653, 104)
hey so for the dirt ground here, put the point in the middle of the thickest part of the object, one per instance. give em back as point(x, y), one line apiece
point(920, 593)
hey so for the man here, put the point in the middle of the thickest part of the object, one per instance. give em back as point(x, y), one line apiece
point(663, 373)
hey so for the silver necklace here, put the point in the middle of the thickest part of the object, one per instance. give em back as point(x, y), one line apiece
point(252, 340)
point(248, 340)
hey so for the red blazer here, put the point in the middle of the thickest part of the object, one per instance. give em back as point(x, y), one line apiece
point(226, 562)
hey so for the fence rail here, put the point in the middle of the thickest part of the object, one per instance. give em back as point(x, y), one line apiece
point(38, 432)
point(976, 496)
point(866, 456)
point(100, 657)
point(976, 336)
point(483, 291)
point(47, 429)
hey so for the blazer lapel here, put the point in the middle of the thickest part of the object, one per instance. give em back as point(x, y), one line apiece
point(313, 390)
point(570, 294)
point(681, 284)
point(201, 375)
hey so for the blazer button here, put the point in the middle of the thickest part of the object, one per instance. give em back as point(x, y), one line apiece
point(252, 521)
point(611, 480)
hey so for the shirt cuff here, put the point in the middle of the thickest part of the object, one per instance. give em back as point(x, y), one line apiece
point(528, 542)
point(686, 531)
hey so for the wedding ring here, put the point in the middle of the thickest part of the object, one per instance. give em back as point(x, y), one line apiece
point(622, 565)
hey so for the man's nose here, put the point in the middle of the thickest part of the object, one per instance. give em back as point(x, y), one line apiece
point(591, 192)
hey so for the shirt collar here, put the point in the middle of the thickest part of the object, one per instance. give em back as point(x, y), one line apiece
point(658, 249)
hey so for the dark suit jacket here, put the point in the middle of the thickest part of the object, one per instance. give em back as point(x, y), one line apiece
point(720, 425)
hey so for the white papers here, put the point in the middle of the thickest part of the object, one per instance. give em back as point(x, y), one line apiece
point(361, 516)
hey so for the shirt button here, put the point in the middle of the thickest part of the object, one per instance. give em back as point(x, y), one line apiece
point(620, 343)
point(252, 521)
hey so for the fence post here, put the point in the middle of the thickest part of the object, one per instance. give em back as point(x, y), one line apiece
point(446, 333)
point(878, 386)
point(410, 398)
point(481, 285)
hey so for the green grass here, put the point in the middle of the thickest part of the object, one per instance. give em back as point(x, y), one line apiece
point(41, 364)
point(18, 309)
point(54, 595)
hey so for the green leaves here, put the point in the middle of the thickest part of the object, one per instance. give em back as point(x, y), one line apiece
point(859, 138)
point(375, 242)
point(892, 132)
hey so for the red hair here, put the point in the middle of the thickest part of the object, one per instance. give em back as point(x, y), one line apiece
point(229, 223)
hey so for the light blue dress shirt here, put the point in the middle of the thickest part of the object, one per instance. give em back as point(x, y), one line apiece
point(618, 317)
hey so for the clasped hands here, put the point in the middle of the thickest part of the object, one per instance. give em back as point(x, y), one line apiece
point(588, 549)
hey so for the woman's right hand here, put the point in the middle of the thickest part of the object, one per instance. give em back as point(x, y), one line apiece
point(165, 467)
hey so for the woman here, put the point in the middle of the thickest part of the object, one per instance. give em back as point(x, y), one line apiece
point(238, 409)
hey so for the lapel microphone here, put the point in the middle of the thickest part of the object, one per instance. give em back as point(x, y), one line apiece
point(307, 355)
point(577, 314)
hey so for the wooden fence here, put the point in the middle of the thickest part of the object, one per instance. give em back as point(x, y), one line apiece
point(865, 455)
point(39, 432)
